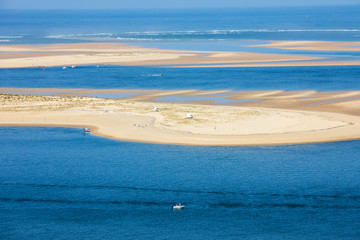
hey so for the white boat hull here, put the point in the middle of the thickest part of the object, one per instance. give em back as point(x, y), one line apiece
point(178, 207)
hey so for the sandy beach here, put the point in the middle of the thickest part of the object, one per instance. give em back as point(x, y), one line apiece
point(18, 56)
point(134, 120)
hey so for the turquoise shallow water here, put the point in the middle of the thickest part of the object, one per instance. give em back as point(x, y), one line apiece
point(58, 183)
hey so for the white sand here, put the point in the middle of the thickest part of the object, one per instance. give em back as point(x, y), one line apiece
point(211, 125)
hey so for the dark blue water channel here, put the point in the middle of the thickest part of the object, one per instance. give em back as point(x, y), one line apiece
point(327, 78)
point(57, 183)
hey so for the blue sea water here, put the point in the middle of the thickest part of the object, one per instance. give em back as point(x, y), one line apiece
point(58, 183)
point(341, 23)
point(326, 78)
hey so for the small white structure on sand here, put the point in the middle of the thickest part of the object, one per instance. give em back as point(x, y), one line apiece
point(155, 109)
point(189, 115)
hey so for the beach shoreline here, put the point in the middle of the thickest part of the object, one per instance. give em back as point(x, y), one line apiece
point(211, 125)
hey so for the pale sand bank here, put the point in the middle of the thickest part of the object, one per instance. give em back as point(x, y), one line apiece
point(283, 64)
point(313, 45)
point(291, 100)
point(211, 125)
point(16, 56)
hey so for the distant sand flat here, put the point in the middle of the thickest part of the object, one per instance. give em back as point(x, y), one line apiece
point(210, 125)
point(18, 56)
point(313, 45)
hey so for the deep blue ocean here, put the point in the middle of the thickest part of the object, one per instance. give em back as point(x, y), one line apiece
point(341, 23)
point(58, 183)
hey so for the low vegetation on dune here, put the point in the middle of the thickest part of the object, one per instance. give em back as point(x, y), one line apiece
point(168, 114)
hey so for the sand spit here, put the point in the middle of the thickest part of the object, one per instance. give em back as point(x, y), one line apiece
point(313, 45)
point(18, 56)
point(210, 125)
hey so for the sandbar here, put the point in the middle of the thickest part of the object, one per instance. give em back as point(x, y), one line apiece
point(134, 120)
point(23, 56)
point(313, 45)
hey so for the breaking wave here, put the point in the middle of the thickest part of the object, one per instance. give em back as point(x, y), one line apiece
point(189, 35)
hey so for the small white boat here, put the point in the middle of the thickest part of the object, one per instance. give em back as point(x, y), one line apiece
point(64, 67)
point(73, 66)
point(178, 206)
point(87, 130)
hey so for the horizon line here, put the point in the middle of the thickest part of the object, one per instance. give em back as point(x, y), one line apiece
point(191, 8)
